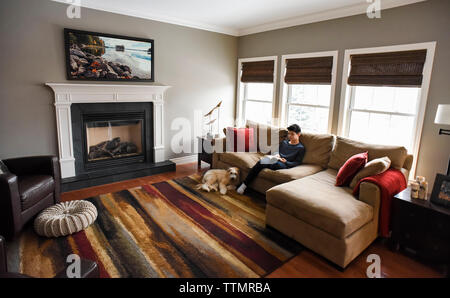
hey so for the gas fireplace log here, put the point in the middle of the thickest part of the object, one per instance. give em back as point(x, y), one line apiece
point(111, 149)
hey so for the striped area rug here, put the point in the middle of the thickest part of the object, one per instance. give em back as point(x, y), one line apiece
point(166, 229)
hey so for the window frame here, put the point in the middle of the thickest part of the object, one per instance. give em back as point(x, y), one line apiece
point(285, 89)
point(242, 90)
point(347, 91)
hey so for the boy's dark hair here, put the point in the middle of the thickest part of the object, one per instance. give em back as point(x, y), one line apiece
point(295, 128)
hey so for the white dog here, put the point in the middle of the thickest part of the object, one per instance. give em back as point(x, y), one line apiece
point(219, 179)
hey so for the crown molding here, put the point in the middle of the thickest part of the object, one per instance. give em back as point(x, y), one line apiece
point(323, 16)
point(295, 21)
point(160, 18)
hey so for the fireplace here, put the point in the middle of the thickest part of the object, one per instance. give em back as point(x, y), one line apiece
point(108, 135)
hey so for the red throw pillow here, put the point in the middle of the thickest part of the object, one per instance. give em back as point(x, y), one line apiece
point(350, 168)
point(240, 140)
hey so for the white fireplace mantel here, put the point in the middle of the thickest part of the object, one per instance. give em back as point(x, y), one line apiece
point(66, 94)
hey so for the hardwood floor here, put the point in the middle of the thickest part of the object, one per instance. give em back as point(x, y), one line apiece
point(307, 263)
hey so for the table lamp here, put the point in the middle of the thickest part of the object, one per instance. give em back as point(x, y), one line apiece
point(443, 118)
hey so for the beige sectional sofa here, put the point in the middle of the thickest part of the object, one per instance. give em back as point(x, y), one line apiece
point(304, 204)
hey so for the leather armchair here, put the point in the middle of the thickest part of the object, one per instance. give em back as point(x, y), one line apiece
point(89, 269)
point(31, 185)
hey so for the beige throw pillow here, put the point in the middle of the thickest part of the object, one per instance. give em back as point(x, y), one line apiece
point(373, 167)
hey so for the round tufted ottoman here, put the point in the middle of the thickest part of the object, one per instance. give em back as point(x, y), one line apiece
point(65, 218)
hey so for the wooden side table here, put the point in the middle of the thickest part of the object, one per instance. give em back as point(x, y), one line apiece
point(202, 154)
point(422, 228)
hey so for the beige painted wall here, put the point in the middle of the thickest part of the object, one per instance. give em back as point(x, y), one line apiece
point(421, 22)
point(200, 65)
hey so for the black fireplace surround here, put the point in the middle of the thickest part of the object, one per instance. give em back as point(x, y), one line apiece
point(112, 142)
point(86, 113)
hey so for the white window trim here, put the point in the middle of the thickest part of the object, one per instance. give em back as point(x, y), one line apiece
point(343, 128)
point(284, 87)
point(240, 90)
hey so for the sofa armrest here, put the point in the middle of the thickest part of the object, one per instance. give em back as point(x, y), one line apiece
point(408, 162)
point(10, 206)
point(370, 194)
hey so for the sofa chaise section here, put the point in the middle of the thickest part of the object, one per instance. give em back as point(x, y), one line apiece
point(325, 218)
point(328, 219)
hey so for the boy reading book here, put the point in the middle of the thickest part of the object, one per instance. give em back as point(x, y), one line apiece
point(290, 154)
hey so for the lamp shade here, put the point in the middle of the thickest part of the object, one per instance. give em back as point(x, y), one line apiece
point(443, 115)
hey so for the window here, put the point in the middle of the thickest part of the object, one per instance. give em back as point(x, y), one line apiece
point(384, 94)
point(308, 90)
point(258, 98)
point(309, 107)
point(256, 89)
point(383, 115)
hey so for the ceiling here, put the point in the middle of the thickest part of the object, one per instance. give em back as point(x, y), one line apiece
point(238, 17)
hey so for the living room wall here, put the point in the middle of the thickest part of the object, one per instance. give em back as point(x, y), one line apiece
point(420, 22)
point(199, 65)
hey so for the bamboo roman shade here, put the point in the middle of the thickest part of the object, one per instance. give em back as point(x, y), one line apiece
point(257, 72)
point(315, 70)
point(397, 69)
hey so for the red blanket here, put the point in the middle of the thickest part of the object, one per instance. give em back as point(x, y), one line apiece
point(390, 183)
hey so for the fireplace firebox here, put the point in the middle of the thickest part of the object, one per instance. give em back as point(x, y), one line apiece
point(113, 139)
point(108, 135)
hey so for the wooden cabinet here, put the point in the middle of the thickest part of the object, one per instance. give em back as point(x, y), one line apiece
point(421, 227)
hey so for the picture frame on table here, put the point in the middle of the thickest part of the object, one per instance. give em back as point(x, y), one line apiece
point(441, 191)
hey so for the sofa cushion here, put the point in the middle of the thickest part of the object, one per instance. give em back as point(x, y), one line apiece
point(33, 188)
point(316, 201)
point(243, 160)
point(264, 133)
point(373, 167)
point(317, 148)
point(350, 168)
point(345, 148)
point(286, 175)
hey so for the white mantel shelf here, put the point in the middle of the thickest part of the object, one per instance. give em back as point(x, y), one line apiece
point(78, 93)
point(68, 93)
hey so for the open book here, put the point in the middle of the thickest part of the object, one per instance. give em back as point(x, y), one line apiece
point(270, 159)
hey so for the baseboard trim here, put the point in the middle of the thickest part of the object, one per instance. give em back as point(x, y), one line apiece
point(184, 159)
